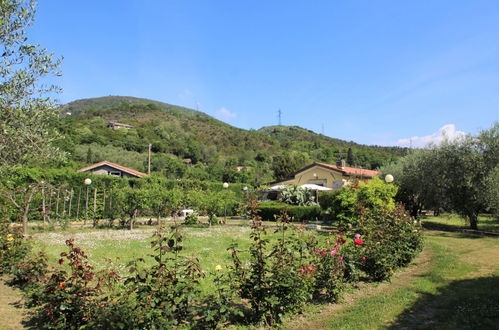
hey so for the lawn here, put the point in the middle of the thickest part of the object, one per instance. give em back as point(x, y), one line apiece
point(209, 245)
point(486, 222)
point(452, 285)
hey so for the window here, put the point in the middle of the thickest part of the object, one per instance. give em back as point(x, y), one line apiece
point(115, 173)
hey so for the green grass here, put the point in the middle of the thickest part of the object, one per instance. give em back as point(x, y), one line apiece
point(459, 290)
point(209, 245)
point(453, 285)
point(486, 222)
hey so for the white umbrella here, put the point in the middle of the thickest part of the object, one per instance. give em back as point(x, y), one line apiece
point(278, 187)
point(315, 187)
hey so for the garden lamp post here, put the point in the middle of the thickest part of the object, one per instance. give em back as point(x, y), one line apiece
point(225, 185)
point(389, 178)
point(245, 189)
point(87, 183)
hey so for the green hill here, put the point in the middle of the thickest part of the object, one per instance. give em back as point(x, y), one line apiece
point(213, 148)
point(106, 102)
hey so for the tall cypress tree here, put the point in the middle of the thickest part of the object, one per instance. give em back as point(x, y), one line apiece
point(350, 159)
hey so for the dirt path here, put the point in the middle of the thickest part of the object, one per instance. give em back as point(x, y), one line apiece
point(10, 316)
point(319, 320)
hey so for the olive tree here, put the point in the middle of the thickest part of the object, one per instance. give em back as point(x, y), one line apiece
point(27, 109)
point(459, 176)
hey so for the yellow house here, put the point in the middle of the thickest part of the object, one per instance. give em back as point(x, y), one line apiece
point(330, 176)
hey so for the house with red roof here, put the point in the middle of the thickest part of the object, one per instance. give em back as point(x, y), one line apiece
point(108, 168)
point(328, 175)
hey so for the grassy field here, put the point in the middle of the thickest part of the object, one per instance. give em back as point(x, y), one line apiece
point(453, 284)
point(486, 222)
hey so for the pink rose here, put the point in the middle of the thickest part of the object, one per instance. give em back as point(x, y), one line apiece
point(333, 252)
point(357, 236)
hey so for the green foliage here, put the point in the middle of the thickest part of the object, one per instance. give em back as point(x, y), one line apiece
point(214, 148)
point(271, 279)
point(191, 219)
point(287, 163)
point(68, 295)
point(459, 176)
point(393, 240)
point(269, 211)
point(296, 195)
point(26, 111)
point(161, 296)
point(13, 248)
point(346, 204)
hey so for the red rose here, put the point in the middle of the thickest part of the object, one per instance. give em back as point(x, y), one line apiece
point(364, 258)
point(358, 241)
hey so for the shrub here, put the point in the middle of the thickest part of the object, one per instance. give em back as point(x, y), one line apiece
point(391, 239)
point(269, 211)
point(296, 195)
point(271, 280)
point(346, 205)
point(13, 247)
point(329, 268)
point(67, 298)
point(160, 296)
point(191, 219)
point(327, 199)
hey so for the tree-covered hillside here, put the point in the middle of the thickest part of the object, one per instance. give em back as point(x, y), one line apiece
point(213, 148)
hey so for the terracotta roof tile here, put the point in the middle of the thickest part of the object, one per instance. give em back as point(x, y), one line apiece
point(351, 170)
point(119, 167)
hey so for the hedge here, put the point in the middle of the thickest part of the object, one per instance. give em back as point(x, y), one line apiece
point(270, 210)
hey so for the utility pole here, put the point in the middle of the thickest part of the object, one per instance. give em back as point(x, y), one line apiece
point(149, 160)
point(279, 113)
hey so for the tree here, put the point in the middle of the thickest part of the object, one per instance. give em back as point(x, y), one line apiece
point(288, 163)
point(131, 201)
point(163, 201)
point(27, 112)
point(459, 176)
point(20, 186)
point(350, 159)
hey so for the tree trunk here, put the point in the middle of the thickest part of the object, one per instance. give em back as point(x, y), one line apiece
point(78, 206)
point(473, 221)
point(70, 202)
point(57, 204)
point(44, 211)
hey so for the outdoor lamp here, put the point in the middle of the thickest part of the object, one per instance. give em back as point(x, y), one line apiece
point(226, 185)
point(389, 178)
point(87, 183)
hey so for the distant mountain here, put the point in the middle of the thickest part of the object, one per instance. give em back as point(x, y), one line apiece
point(213, 148)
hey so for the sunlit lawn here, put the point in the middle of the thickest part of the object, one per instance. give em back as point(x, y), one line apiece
point(486, 222)
point(209, 245)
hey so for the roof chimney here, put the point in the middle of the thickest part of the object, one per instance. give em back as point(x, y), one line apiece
point(342, 164)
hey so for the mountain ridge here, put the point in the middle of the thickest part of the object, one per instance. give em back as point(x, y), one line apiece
point(213, 147)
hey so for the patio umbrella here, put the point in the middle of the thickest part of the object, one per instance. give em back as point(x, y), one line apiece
point(315, 187)
point(278, 187)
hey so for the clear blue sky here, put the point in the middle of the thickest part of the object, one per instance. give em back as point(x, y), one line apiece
point(374, 72)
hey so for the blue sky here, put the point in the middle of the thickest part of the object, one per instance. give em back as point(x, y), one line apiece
point(375, 72)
